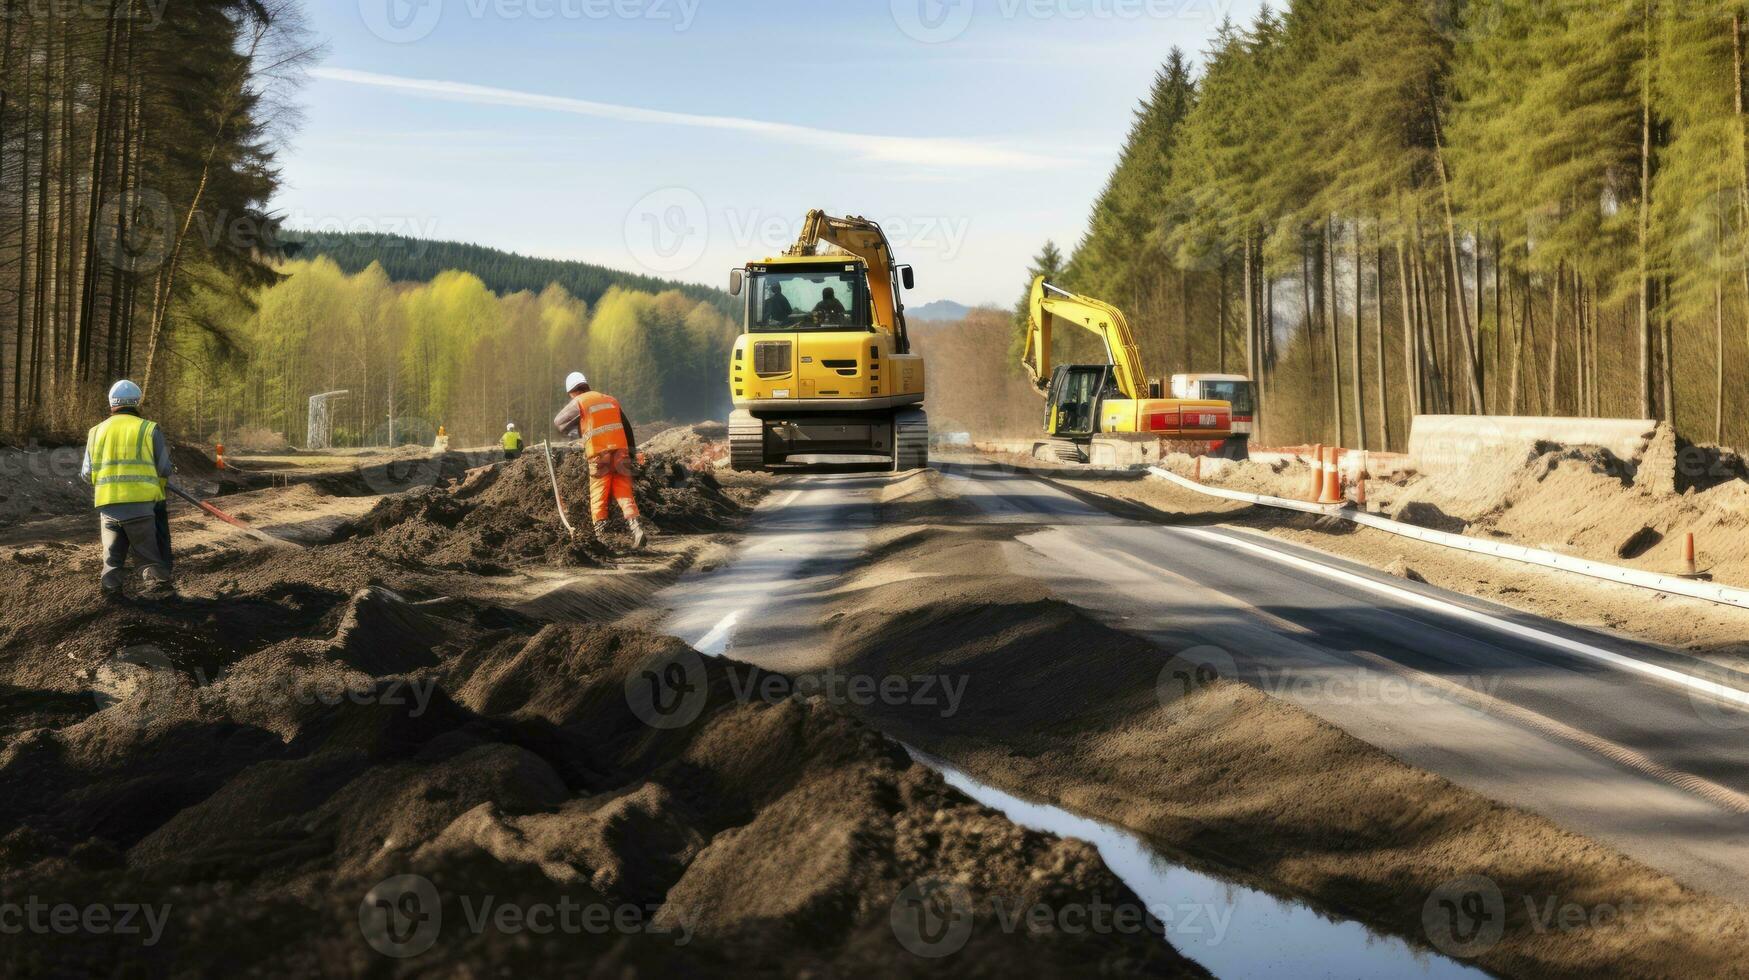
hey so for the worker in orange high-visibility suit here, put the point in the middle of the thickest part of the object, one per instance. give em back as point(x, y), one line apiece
point(601, 425)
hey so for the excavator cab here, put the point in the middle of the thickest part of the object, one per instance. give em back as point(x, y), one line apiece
point(1075, 394)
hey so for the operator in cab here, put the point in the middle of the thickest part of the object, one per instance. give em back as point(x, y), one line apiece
point(777, 307)
point(829, 309)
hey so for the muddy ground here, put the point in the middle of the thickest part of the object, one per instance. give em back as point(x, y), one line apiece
point(355, 757)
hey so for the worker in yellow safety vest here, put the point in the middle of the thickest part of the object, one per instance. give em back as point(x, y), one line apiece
point(597, 420)
point(127, 463)
point(512, 442)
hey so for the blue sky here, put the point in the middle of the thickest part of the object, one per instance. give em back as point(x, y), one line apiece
point(684, 137)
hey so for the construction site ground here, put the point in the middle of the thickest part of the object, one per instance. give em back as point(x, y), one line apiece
point(736, 738)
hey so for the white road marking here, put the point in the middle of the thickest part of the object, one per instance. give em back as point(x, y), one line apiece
point(717, 640)
point(1687, 682)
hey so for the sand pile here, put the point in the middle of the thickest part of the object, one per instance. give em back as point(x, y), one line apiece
point(340, 799)
point(1577, 500)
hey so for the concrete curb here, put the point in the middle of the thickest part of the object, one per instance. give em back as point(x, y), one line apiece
point(1669, 584)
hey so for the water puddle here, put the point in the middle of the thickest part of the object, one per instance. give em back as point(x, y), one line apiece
point(1233, 931)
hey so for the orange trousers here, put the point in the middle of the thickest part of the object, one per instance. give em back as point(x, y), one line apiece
point(610, 479)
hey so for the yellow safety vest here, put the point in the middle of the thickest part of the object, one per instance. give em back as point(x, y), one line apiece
point(600, 424)
point(512, 441)
point(123, 470)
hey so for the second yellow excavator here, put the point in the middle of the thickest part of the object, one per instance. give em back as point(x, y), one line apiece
point(1114, 400)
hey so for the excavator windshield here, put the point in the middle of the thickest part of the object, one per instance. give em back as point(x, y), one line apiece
point(790, 300)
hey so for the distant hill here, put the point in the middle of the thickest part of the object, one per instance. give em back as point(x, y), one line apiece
point(421, 260)
point(941, 309)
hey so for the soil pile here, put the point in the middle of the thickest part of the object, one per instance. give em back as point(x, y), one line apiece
point(502, 517)
point(1579, 500)
point(411, 786)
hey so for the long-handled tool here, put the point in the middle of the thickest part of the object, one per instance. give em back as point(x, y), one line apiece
point(228, 519)
point(558, 498)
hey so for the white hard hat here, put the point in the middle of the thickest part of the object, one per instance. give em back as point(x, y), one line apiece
point(510, 428)
point(576, 378)
point(124, 394)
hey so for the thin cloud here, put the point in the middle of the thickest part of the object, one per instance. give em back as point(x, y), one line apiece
point(918, 151)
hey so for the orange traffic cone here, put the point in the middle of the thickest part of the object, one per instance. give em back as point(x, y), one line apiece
point(1317, 486)
point(1332, 477)
point(219, 455)
point(1688, 557)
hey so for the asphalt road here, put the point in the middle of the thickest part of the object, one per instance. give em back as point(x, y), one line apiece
point(1528, 711)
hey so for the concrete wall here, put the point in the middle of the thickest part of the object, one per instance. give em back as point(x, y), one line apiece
point(1439, 442)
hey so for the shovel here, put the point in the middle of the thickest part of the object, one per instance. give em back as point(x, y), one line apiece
point(228, 519)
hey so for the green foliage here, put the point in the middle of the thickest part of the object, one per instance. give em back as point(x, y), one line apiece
point(1541, 167)
point(421, 260)
point(449, 353)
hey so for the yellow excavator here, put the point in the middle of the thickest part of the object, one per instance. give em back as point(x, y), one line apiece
point(1114, 401)
point(824, 365)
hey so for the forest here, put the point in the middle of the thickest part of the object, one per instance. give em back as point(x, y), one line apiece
point(136, 165)
point(450, 352)
point(1383, 208)
point(408, 259)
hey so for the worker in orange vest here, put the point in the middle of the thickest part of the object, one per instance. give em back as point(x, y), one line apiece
point(598, 421)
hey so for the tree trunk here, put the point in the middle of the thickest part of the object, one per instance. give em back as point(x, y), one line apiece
point(1645, 212)
point(1411, 376)
point(1471, 380)
point(1355, 379)
point(1335, 327)
point(1380, 375)
point(1555, 340)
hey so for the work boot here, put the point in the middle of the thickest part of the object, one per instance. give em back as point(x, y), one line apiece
point(637, 533)
point(601, 530)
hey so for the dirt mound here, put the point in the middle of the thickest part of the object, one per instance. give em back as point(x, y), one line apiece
point(704, 446)
point(269, 828)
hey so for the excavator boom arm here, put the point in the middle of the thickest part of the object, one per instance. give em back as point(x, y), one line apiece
point(1050, 305)
point(865, 240)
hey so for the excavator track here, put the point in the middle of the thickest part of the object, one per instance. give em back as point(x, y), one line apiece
point(746, 443)
point(910, 440)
